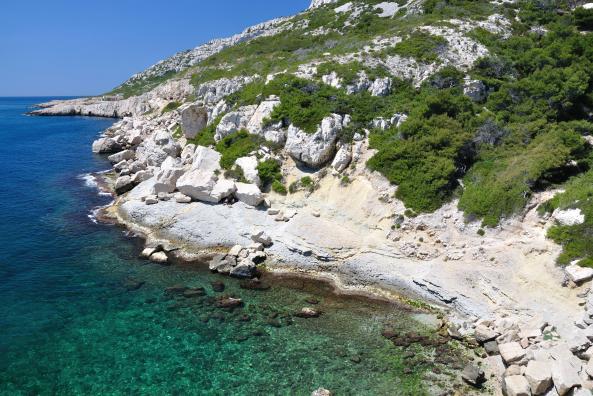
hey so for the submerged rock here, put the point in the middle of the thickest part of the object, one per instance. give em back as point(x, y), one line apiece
point(307, 313)
point(228, 302)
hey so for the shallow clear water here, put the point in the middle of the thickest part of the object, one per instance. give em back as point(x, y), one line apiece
point(69, 323)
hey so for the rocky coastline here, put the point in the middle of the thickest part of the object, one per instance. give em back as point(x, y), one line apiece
point(530, 321)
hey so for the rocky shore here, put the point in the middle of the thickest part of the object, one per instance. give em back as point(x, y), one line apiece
point(530, 321)
point(492, 288)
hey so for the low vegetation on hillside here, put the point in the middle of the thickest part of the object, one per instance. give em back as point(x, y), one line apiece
point(524, 136)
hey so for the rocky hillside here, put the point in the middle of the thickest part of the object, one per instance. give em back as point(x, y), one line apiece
point(438, 147)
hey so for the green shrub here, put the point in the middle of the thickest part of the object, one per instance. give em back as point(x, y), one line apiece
point(345, 180)
point(235, 173)
point(306, 182)
point(206, 136)
point(422, 46)
point(481, 232)
point(237, 145)
point(170, 107)
point(293, 187)
point(584, 18)
point(269, 171)
point(278, 187)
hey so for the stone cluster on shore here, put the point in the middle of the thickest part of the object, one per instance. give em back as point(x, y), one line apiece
point(529, 357)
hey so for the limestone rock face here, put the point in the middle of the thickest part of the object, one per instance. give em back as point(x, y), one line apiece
point(319, 3)
point(212, 92)
point(222, 189)
point(155, 150)
point(565, 376)
point(578, 274)
point(249, 194)
point(568, 217)
point(234, 121)
point(249, 167)
point(263, 111)
point(381, 87)
point(475, 90)
point(315, 149)
point(194, 118)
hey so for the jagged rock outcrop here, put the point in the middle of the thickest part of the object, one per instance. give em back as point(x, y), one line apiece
point(314, 149)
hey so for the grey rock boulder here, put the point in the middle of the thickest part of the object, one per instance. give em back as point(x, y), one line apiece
point(249, 194)
point(314, 149)
point(121, 156)
point(539, 376)
point(516, 385)
point(194, 118)
point(106, 145)
point(123, 184)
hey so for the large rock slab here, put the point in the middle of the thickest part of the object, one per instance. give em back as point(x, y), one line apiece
point(194, 118)
point(105, 145)
point(565, 376)
point(578, 274)
point(314, 149)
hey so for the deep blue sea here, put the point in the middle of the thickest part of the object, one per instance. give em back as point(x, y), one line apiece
point(71, 324)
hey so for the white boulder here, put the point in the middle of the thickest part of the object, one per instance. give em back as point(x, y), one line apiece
point(342, 158)
point(234, 121)
point(380, 87)
point(194, 118)
point(568, 217)
point(222, 189)
point(249, 167)
point(578, 274)
point(166, 178)
point(249, 194)
point(314, 149)
point(565, 376)
point(539, 376)
point(511, 352)
point(516, 385)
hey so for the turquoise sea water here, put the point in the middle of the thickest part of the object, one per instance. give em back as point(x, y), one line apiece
point(81, 314)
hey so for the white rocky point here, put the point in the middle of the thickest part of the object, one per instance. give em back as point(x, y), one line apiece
point(249, 167)
point(539, 376)
point(249, 194)
point(194, 118)
point(511, 352)
point(319, 3)
point(578, 274)
point(314, 149)
point(516, 385)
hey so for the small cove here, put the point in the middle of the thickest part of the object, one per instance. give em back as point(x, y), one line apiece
point(82, 314)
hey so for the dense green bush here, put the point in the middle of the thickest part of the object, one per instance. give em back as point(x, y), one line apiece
point(237, 145)
point(269, 171)
point(584, 18)
point(278, 187)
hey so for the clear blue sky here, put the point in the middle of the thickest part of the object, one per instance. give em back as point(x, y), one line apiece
point(74, 47)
